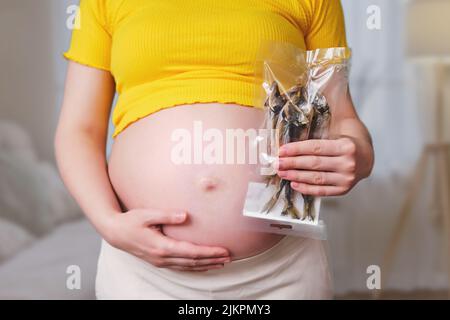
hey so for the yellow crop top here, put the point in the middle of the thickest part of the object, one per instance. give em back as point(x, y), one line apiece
point(164, 53)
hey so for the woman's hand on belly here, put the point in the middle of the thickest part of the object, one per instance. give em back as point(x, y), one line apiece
point(139, 232)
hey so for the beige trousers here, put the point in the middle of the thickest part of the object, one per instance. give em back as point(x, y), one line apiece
point(294, 268)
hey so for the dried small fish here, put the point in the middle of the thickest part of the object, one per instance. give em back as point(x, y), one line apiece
point(321, 118)
point(274, 104)
point(296, 110)
point(319, 126)
point(289, 208)
point(297, 119)
point(273, 200)
point(293, 126)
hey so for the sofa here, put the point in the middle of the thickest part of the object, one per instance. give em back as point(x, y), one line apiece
point(43, 235)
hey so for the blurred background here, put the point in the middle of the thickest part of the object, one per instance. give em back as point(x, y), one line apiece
point(400, 82)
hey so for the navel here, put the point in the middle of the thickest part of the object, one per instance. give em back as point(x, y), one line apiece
point(208, 183)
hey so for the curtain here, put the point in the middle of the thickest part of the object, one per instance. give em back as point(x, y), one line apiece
point(393, 97)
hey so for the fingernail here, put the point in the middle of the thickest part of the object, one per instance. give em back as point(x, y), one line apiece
point(294, 184)
point(276, 164)
point(282, 174)
point(180, 216)
point(281, 151)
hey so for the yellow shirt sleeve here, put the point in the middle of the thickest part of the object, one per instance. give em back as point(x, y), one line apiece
point(326, 27)
point(91, 42)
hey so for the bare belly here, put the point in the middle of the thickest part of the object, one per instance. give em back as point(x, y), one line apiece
point(145, 174)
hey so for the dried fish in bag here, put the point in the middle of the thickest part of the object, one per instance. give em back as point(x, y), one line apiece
point(327, 75)
point(297, 88)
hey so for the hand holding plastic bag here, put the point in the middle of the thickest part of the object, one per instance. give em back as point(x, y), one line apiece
point(298, 88)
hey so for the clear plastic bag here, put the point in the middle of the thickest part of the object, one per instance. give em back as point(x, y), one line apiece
point(297, 89)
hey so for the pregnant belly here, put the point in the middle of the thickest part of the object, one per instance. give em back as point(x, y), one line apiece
point(152, 166)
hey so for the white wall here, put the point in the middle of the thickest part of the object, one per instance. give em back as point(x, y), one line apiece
point(27, 82)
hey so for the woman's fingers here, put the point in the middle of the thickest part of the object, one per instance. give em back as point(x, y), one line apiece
point(172, 248)
point(319, 191)
point(157, 217)
point(182, 249)
point(319, 167)
point(139, 232)
point(313, 147)
point(312, 163)
point(197, 269)
point(194, 263)
point(314, 177)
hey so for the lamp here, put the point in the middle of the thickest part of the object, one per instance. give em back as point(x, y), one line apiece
point(427, 42)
